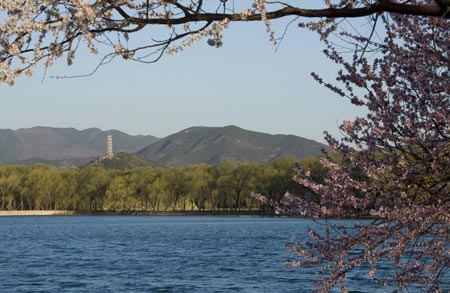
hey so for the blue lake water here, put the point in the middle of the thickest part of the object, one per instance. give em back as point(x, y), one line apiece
point(153, 254)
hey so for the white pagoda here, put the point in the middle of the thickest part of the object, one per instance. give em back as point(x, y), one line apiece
point(109, 146)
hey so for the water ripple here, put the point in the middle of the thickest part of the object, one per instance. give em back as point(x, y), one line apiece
point(152, 254)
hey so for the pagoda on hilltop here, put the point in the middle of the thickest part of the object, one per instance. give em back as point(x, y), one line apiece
point(109, 146)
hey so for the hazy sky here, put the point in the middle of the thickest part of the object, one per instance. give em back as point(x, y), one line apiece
point(244, 83)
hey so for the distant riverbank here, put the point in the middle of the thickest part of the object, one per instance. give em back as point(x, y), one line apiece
point(136, 213)
point(36, 213)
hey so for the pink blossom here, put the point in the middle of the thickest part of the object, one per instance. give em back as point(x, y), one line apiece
point(393, 166)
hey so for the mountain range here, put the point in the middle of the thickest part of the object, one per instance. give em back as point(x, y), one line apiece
point(210, 145)
point(59, 144)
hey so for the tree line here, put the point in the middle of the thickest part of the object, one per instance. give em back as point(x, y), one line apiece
point(225, 186)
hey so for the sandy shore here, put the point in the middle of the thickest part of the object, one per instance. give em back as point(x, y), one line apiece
point(35, 213)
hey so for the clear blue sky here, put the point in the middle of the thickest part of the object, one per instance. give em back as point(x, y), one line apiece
point(245, 83)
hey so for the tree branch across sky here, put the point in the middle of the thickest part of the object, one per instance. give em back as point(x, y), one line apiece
point(43, 31)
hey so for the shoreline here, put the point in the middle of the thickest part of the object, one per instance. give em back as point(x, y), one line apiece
point(36, 213)
point(134, 213)
point(139, 213)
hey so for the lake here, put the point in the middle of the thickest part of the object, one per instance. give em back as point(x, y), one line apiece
point(154, 254)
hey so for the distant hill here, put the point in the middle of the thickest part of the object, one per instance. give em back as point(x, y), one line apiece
point(69, 147)
point(121, 160)
point(212, 145)
point(49, 144)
